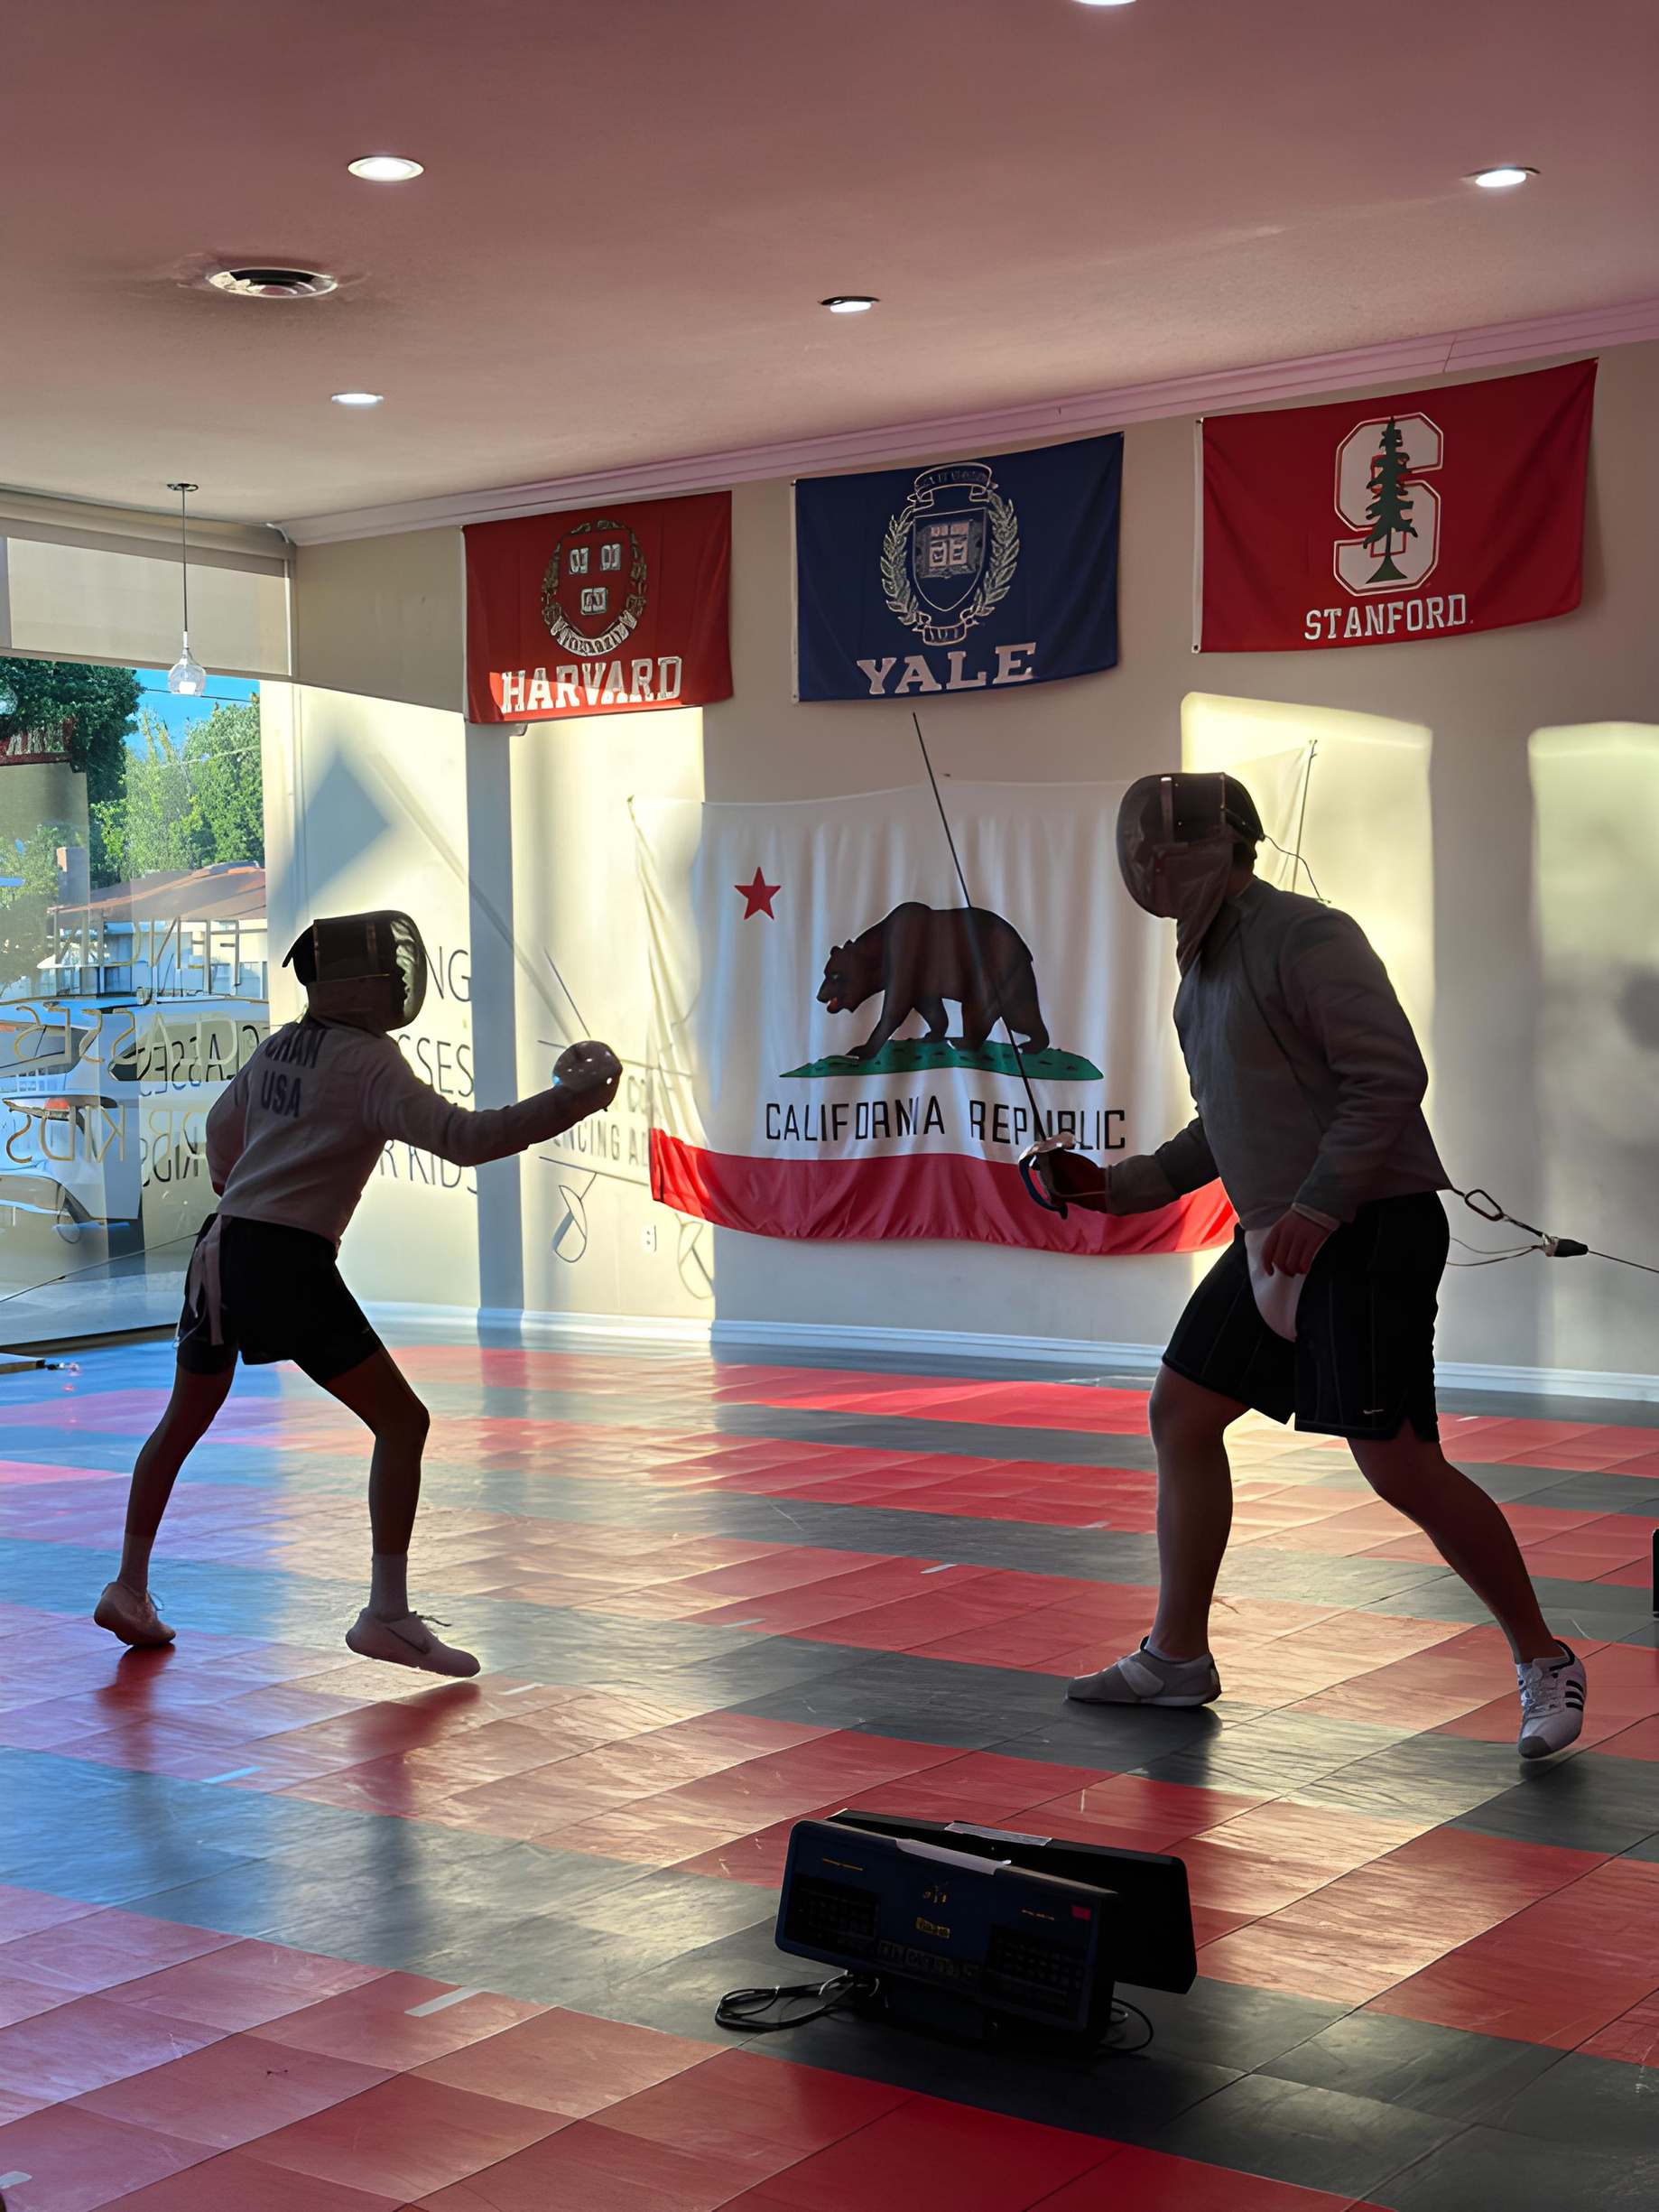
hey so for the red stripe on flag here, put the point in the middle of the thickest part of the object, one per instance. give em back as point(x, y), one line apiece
point(935, 1195)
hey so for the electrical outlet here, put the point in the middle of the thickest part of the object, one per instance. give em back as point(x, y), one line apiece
point(648, 1236)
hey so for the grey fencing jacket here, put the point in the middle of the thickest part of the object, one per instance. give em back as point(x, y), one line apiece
point(1307, 1077)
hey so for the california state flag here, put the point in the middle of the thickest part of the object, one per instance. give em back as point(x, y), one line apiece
point(829, 1056)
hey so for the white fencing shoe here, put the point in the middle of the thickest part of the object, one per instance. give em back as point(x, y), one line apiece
point(408, 1642)
point(1551, 1704)
point(1143, 1678)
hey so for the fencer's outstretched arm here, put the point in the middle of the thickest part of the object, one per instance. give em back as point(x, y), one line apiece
point(397, 1104)
point(1139, 1185)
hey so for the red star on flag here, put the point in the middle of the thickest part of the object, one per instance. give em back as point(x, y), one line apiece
point(757, 897)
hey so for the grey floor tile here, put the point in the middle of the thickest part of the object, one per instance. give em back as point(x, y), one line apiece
point(1443, 2070)
point(1602, 2104)
point(1423, 1778)
point(1316, 2138)
point(1590, 1801)
point(1487, 2167)
point(1229, 2024)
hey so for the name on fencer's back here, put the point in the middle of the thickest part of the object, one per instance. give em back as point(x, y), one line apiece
point(280, 1093)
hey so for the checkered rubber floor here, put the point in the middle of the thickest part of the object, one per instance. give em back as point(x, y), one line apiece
point(281, 1928)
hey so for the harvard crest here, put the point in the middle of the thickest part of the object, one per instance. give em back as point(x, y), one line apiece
point(593, 592)
point(950, 551)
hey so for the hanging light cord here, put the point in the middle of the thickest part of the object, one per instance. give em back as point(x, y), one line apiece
point(184, 491)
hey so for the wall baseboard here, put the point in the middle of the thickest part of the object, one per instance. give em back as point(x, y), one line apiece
point(1549, 1382)
point(939, 1344)
point(447, 1322)
point(1075, 1352)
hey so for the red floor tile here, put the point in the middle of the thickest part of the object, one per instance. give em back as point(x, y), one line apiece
point(82, 1957)
point(590, 2168)
point(242, 1986)
point(1137, 2181)
point(88, 2042)
point(762, 2112)
point(22, 1911)
point(1634, 2037)
point(405, 2138)
point(1642, 1741)
point(567, 2063)
point(930, 2152)
point(232, 2091)
point(78, 2159)
point(234, 2182)
point(25, 2000)
point(372, 2024)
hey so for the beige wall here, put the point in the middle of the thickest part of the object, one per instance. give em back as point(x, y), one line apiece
point(376, 618)
point(383, 616)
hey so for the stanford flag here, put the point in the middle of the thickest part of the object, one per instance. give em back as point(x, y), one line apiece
point(609, 610)
point(1424, 514)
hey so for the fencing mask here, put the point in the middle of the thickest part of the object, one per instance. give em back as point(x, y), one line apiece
point(1175, 839)
point(365, 970)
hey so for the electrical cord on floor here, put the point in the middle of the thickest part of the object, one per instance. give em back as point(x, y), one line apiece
point(741, 2009)
point(1121, 2010)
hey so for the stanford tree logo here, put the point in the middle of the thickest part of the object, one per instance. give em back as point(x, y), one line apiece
point(1380, 493)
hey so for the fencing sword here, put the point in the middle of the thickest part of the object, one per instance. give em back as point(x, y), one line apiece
point(1035, 1189)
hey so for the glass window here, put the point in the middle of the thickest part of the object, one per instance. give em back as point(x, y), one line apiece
point(133, 980)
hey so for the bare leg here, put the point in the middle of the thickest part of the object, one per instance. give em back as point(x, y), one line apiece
point(1465, 1527)
point(377, 1394)
point(386, 1629)
point(194, 1399)
point(1195, 1508)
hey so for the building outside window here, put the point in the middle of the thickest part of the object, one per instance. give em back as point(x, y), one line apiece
point(133, 980)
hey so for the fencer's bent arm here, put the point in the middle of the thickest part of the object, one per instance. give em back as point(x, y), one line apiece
point(1339, 993)
point(397, 1104)
point(1185, 1163)
point(227, 1130)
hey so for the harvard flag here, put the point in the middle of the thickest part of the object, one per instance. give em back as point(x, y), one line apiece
point(608, 610)
point(830, 1048)
point(1425, 514)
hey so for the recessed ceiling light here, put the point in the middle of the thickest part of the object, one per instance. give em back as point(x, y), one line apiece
point(357, 399)
point(1502, 179)
point(850, 303)
point(271, 283)
point(1105, 3)
point(385, 168)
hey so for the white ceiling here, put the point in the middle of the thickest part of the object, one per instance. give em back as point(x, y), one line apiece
point(631, 207)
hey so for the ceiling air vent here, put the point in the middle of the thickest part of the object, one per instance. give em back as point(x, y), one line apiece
point(266, 284)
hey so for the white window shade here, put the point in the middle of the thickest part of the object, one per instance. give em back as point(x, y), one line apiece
point(83, 582)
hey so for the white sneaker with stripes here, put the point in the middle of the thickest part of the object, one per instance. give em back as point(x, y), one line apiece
point(1551, 1704)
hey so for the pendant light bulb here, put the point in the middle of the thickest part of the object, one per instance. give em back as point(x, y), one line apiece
point(187, 678)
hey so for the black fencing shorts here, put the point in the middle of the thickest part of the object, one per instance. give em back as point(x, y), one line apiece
point(281, 1297)
point(1363, 1360)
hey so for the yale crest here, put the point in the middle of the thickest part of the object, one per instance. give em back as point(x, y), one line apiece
point(949, 554)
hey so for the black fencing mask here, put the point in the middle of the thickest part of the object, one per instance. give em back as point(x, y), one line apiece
point(1175, 839)
point(364, 970)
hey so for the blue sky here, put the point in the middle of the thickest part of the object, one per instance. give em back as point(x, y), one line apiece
point(178, 714)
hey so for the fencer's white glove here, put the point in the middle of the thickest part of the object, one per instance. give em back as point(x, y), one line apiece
point(588, 1067)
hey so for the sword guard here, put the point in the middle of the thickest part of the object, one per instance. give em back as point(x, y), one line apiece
point(1035, 1187)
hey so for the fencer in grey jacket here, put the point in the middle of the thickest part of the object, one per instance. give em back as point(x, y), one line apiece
point(1306, 1074)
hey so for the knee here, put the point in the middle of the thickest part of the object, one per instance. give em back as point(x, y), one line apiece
point(1404, 1472)
point(1181, 1415)
point(408, 1426)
